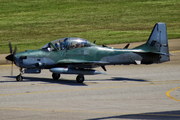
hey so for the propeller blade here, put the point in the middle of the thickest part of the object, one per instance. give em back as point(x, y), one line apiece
point(11, 56)
point(12, 69)
point(15, 49)
point(10, 47)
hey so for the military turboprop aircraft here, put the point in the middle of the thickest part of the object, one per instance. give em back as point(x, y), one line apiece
point(72, 55)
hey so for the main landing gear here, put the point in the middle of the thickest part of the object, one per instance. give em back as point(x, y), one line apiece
point(79, 78)
point(56, 76)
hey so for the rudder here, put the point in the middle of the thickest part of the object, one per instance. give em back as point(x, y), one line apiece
point(159, 40)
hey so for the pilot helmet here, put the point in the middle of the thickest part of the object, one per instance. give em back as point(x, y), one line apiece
point(57, 45)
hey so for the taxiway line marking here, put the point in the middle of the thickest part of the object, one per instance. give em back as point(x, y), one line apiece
point(29, 85)
point(175, 51)
point(79, 111)
point(6, 65)
point(167, 93)
point(86, 89)
point(50, 110)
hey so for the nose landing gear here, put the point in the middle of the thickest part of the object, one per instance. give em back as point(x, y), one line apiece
point(19, 77)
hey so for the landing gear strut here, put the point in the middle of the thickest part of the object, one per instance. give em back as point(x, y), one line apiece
point(80, 78)
point(19, 77)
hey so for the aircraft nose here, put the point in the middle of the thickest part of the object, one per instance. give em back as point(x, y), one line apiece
point(10, 57)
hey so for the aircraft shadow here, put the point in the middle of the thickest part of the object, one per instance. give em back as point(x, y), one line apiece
point(127, 79)
point(120, 79)
point(36, 79)
point(69, 82)
point(165, 115)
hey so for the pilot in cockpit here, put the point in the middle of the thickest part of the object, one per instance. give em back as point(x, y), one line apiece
point(49, 47)
point(64, 44)
point(57, 45)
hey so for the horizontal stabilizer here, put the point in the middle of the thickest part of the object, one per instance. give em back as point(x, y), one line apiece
point(159, 53)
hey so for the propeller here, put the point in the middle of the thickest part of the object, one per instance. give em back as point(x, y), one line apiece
point(11, 56)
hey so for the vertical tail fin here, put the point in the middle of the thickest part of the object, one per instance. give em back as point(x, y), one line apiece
point(157, 43)
point(159, 40)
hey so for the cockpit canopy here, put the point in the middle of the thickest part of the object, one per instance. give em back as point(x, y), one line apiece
point(67, 43)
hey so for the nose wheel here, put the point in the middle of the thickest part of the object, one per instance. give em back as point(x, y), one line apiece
point(19, 77)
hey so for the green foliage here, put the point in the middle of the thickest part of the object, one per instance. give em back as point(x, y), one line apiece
point(30, 24)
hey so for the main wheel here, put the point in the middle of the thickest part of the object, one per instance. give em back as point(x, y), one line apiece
point(80, 78)
point(19, 78)
point(55, 76)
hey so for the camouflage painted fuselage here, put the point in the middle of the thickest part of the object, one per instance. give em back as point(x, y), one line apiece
point(86, 57)
point(79, 53)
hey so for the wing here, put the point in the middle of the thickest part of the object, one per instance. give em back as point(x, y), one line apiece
point(74, 63)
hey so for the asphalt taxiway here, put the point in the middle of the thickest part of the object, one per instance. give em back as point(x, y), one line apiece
point(126, 92)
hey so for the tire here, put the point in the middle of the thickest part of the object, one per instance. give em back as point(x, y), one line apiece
point(19, 78)
point(80, 78)
point(55, 76)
